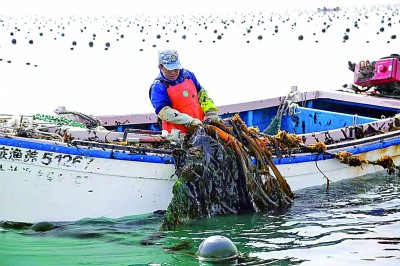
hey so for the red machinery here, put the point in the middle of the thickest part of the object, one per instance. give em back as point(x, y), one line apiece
point(383, 75)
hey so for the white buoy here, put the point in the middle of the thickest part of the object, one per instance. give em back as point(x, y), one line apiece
point(217, 249)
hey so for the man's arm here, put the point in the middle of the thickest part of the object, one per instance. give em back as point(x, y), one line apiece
point(174, 116)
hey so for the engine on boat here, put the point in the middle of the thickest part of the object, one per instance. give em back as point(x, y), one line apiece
point(381, 77)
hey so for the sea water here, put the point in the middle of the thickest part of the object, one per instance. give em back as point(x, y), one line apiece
point(355, 222)
point(47, 60)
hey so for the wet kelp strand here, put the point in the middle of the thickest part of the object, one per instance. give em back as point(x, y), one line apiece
point(224, 168)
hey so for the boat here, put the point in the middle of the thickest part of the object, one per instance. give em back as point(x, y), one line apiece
point(53, 168)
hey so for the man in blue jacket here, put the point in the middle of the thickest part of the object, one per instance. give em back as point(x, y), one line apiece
point(177, 97)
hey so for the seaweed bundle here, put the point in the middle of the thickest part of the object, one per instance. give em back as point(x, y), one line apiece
point(224, 168)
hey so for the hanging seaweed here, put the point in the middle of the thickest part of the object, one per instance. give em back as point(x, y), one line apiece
point(345, 157)
point(224, 168)
point(318, 147)
point(387, 163)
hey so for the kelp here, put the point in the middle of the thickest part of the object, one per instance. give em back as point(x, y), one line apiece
point(224, 168)
point(385, 161)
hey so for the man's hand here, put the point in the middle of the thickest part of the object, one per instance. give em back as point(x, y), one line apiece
point(211, 116)
point(174, 136)
point(195, 122)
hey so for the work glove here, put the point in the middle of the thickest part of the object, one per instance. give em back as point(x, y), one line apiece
point(205, 102)
point(211, 116)
point(174, 116)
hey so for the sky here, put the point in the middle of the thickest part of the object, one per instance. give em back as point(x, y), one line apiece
point(238, 50)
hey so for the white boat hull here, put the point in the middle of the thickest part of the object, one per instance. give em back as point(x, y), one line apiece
point(90, 187)
point(63, 187)
point(316, 173)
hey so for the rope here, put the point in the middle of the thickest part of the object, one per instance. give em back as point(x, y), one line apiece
point(285, 107)
point(355, 119)
point(328, 181)
point(93, 122)
point(59, 120)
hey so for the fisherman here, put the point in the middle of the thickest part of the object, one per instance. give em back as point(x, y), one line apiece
point(177, 97)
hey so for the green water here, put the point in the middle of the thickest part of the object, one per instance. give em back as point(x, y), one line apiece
point(357, 222)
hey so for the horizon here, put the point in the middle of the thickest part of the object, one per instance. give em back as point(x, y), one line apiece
point(131, 7)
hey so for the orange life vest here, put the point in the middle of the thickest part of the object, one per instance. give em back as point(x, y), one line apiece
point(184, 99)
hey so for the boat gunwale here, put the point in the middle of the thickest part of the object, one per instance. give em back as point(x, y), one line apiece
point(364, 145)
point(148, 118)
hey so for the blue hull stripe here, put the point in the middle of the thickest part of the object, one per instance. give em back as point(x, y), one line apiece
point(168, 159)
point(72, 150)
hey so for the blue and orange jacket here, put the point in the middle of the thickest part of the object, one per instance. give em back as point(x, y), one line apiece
point(158, 91)
point(180, 94)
